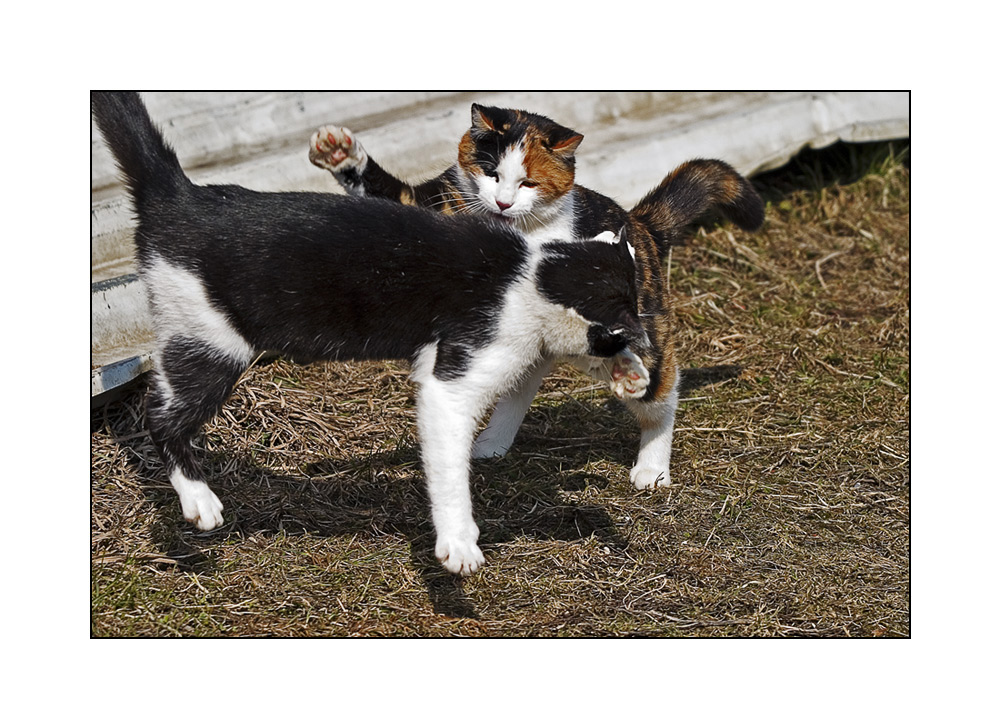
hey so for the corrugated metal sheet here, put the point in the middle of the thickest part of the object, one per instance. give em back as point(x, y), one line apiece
point(632, 139)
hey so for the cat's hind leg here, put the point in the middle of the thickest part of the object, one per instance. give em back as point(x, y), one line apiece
point(656, 421)
point(498, 435)
point(190, 385)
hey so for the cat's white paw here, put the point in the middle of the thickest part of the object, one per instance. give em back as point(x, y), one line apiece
point(644, 477)
point(335, 148)
point(629, 377)
point(199, 504)
point(459, 554)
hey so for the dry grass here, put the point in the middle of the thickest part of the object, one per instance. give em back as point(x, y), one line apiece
point(789, 513)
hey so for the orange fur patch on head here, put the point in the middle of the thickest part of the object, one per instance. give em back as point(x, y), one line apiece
point(552, 171)
point(467, 152)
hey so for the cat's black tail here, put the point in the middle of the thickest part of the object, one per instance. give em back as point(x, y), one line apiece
point(690, 191)
point(147, 163)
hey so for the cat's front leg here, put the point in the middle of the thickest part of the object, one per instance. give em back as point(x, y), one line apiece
point(337, 150)
point(497, 437)
point(446, 420)
point(656, 421)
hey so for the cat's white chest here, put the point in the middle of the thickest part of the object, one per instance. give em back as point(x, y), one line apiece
point(558, 227)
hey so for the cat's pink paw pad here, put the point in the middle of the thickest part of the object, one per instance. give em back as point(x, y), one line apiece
point(334, 148)
point(629, 377)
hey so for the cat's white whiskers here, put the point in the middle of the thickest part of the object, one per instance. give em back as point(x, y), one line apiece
point(475, 205)
point(446, 194)
point(440, 203)
point(533, 216)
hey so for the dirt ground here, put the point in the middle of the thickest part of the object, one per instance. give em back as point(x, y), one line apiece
point(789, 509)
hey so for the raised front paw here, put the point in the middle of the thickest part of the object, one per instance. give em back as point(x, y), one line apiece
point(459, 554)
point(629, 377)
point(334, 148)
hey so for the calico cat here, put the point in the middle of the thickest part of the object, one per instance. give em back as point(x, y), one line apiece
point(232, 272)
point(519, 167)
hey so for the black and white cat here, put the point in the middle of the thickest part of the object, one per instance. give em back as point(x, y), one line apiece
point(232, 272)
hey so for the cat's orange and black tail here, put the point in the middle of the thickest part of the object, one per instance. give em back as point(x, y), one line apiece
point(691, 190)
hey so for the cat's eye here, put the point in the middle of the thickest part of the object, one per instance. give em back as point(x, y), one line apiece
point(493, 175)
point(529, 183)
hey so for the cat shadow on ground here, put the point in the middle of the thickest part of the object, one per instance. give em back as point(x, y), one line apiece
point(522, 494)
point(698, 377)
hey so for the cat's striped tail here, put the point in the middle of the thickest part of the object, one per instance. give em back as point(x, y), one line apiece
point(147, 163)
point(690, 191)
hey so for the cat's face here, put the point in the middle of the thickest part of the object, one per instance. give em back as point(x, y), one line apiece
point(519, 164)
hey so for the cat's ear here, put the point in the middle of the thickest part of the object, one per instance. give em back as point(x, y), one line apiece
point(564, 142)
point(625, 248)
point(622, 237)
point(482, 118)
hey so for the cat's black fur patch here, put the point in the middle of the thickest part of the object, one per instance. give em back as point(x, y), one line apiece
point(605, 341)
point(593, 213)
point(352, 177)
point(326, 264)
point(200, 381)
point(608, 293)
point(452, 360)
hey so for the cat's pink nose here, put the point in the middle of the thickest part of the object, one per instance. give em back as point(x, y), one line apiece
point(503, 205)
